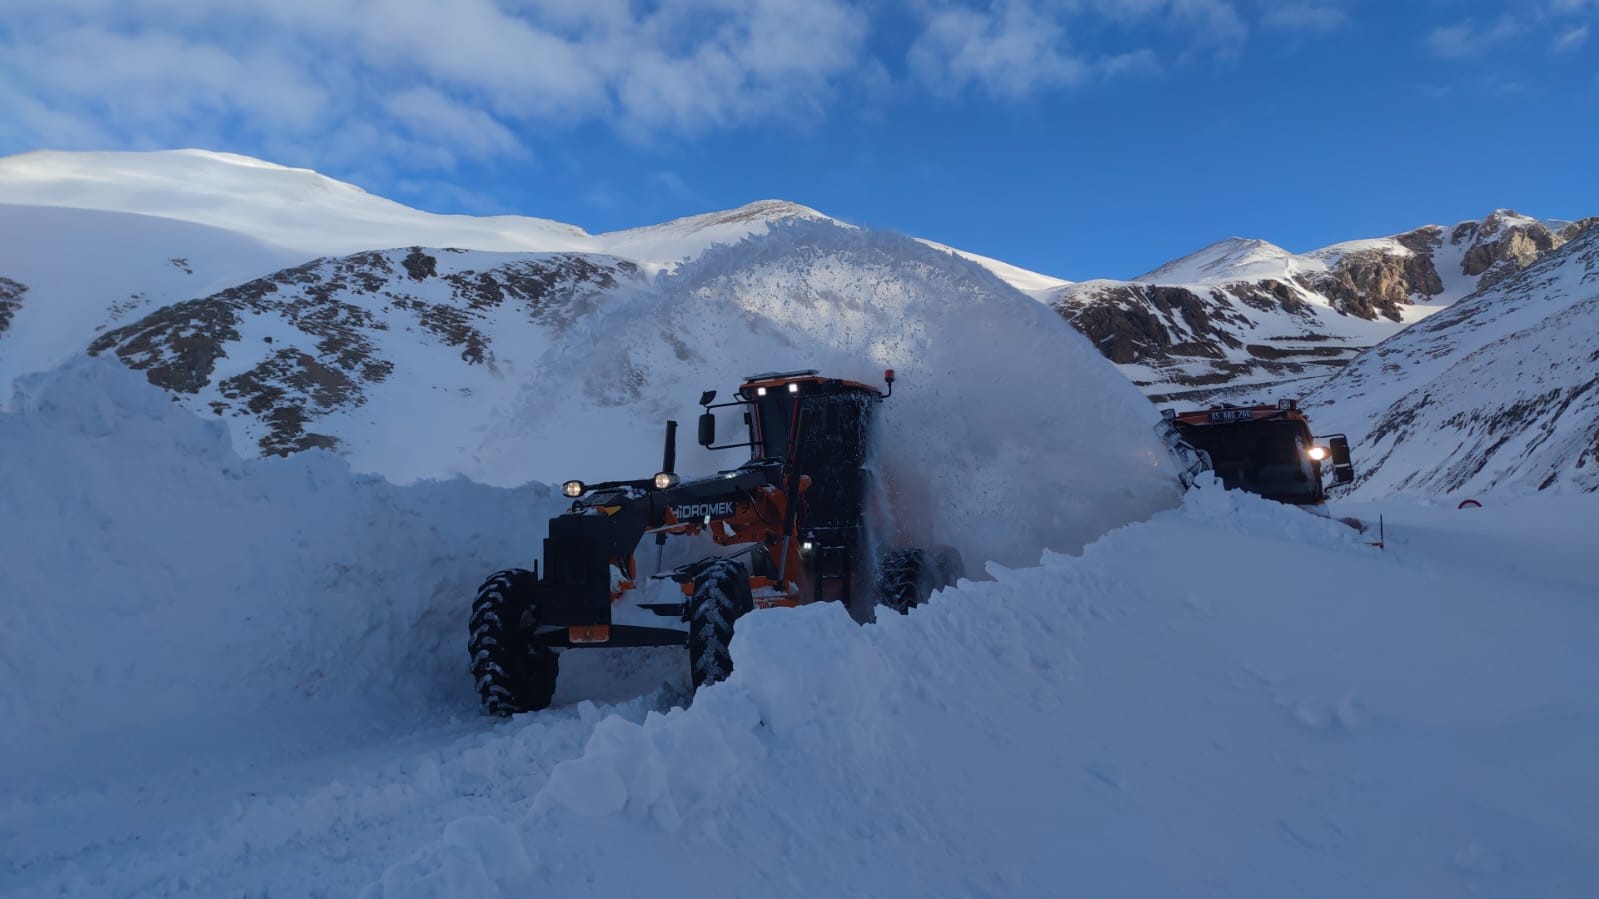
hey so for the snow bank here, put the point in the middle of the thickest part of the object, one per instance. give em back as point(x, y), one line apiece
point(151, 574)
point(1234, 698)
point(1004, 420)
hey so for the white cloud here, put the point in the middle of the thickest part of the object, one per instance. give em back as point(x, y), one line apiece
point(459, 74)
point(1013, 49)
point(1319, 17)
point(433, 118)
point(1007, 52)
point(338, 83)
point(1571, 39)
point(1465, 39)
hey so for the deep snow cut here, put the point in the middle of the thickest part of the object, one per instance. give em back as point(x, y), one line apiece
point(1233, 698)
point(152, 574)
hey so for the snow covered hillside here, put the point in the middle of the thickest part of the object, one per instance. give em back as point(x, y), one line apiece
point(1499, 392)
point(270, 699)
point(239, 552)
point(1248, 314)
point(310, 215)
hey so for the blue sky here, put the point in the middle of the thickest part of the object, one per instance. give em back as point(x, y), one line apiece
point(1081, 138)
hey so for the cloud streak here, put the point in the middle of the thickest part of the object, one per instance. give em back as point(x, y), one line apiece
point(442, 82)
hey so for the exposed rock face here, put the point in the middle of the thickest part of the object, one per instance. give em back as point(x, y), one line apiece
point(10, 301)
point(1254, 313)
point(1196, 336)
point(1370, 283)
point(1499, 390)
point(330, 315)
point(1501, 244)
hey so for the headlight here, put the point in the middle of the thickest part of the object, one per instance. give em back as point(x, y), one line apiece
point(1318, 453)
point(666, 480)
point(573, 489)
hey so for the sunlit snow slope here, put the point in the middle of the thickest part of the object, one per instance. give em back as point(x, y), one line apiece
point(1245, 318)
point(1499, 392)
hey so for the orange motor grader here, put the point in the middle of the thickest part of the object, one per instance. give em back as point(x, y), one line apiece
point(664, 561)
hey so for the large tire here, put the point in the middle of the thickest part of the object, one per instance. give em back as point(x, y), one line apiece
point(512, 675)
point(906, 578)
point(721, 595)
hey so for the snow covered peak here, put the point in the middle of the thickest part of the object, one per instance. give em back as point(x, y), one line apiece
point(1233, 259)
point(1490, 393)
point(1506, 218)
point(312, 215)
point(681, 239)
point(296, 209)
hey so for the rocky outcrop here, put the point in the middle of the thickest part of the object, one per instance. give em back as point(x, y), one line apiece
point(1374, 282)
point(10, 301)
point(1502, 244)
point(325, 321)
point(1171, 337)
point(1254, 312)
point(1500, 390)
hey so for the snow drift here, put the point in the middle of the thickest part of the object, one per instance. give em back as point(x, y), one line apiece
point(1004, 421)
point(152, 574)
point(1138, 721)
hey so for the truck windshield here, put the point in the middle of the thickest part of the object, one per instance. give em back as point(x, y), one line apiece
point(1264, 457)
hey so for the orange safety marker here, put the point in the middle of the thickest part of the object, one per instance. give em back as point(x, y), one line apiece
point(593, 633)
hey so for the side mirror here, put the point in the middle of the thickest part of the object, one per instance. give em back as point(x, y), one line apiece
point(707, 429)
point(707, 398)
point(1338, 444)
point(1343, 468)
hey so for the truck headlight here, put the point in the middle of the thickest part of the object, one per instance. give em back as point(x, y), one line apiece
point(573, 489)
point(1317, 453)
point(666, 480)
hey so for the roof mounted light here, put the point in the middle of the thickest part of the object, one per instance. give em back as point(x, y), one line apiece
point(573, 489)
point(1168, 414)
point(760, 391)
point(1317, 453)
point(793, 387)
point(666, 480)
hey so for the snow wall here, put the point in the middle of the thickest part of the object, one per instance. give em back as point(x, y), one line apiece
point(149, 573)
point(1007, 433)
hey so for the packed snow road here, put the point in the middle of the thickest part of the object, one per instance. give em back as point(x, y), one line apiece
point(300, 801)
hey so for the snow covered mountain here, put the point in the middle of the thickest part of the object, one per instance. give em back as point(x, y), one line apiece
point(171, 226)
point(232, 662)
point(1247, 314)
point(1499, 391)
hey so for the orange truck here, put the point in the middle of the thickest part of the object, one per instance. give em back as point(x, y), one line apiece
point(1264, 449)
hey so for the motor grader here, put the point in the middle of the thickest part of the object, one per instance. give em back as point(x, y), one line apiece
point(665, 561)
